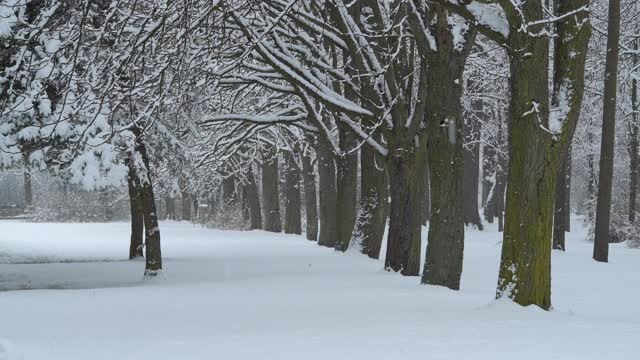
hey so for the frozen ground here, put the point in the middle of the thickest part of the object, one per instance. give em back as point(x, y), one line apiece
point(256, 295)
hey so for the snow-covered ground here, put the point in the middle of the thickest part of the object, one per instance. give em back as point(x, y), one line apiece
point(256, 295)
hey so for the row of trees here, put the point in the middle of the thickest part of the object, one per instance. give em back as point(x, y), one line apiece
point(361, 115)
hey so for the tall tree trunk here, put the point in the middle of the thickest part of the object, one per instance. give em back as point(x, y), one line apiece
point(153, 261)
point(501, 175)
point(525, 264)
point(472, 164)
point(374, 187)
point(347, 182)
point(525, 267)
point(489, 165)
point(591, 181)
point(253, 199)
point(137, 215)
point(229, 196)
point(328, 196)
point(633, 177)
point(445, 246)
point(443, 260)
point(567, 198)
point(270, 193)
point(28, 187)
point(171, 207)
point(605, 179)
point(633, 143)
point(403, 242)
point(500, 208)
point(186, 205)
point(426, 199)
point(310, 200)
point(292, 221)
point(560, 206)
point(489, 182)
point(245, 204)
point(196, 207)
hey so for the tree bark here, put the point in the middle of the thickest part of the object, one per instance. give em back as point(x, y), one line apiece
point(253, 199)
point(490, 180)
point(445, 246)
point(245, 204)
point(153, 261)
point(328, 196)
point(472, 164)
point(374, 187)
point(310, 200)
point(525, 265)
point(229, 196)
point(186, 205)
point(171, 207)
point(605, 178)
point(489, 175)
point(567, 198)
point(28, 186)
point(270, 193)
point(560, 207)
point(137, 219)
point(443, 260)
point(591, 182)
point(633, 142)
point(347, 188)
point(403, 242)
point(292, 221)
point(426, 199)
point(501, 175)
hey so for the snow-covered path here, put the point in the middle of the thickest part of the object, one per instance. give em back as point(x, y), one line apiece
point(247, 295)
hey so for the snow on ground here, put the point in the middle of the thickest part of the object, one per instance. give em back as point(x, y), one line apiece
point(247, 295)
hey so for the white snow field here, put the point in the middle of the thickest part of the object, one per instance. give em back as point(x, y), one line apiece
point(68, 292)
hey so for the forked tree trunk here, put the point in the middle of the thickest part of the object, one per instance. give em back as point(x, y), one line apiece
point(137, 216)
point(372, 219)
point(347, 188)
point(328, 196)
point(605, 178)
point(292, 221)
point(270, 192)
point(253, 200)
point(403, 242)
point(310, 199)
